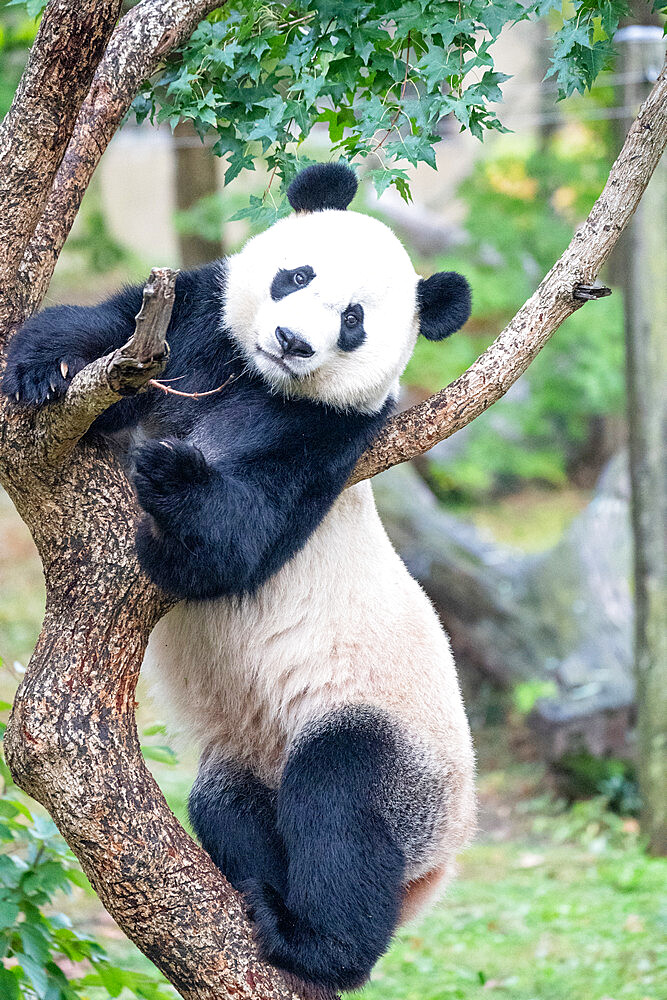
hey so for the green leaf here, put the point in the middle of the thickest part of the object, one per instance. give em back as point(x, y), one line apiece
point(36, 973)
point(161, 754)
point(33, 7)
point(9, 983)
point(9, 912)
point(156, 729)
point(113, 979)
point(34, 942)
point(11, 871)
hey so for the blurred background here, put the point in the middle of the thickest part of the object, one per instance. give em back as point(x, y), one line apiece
point(518, 528)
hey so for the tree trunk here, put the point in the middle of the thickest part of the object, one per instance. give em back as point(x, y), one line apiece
point(196, 178)
point(645, 259)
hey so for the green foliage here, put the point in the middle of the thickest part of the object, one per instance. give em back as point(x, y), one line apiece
point(93, 240)
point(583, 46)
point(204, 219)
point(35, 942)
point(33, 7)
point(17, 33)
point(527, 693)
point(381, 76)
point(158, 752)
point(582, 774)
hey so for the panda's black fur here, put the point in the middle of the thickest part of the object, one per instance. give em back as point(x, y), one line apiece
point(322, 186)
point(329, 845)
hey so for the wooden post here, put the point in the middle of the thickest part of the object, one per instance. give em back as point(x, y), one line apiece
point(645, 287)
point(196, 178)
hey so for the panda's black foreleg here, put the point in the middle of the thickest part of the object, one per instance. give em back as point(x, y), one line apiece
point(209, 529)
point(345, 871)
point(234, 817)
point(53, 345)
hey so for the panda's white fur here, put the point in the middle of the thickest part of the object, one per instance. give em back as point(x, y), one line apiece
point(343, 623)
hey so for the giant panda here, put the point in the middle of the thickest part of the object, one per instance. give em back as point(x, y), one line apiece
point(335, 785)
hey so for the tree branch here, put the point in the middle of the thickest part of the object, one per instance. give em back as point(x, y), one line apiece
point(414, 431)
point(143, 38)
point(36, 129)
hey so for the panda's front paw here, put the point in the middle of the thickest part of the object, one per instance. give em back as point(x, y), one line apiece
point(166, 473)
point(33, 380)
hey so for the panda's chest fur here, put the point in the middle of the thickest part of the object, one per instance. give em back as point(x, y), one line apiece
point(248, 674)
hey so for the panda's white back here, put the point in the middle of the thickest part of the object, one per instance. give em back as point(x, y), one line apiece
point(342, 623)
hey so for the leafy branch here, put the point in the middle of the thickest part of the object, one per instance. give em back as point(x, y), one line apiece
point(258, 78)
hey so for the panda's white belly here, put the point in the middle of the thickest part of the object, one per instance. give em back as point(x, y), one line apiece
point(341, 623)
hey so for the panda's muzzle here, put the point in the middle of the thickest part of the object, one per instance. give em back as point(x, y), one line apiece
point(291, 345)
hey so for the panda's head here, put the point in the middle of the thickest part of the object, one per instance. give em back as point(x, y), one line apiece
point(326, 304)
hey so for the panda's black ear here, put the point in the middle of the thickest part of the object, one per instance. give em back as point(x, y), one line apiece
point(443, 301)
point(322, 185)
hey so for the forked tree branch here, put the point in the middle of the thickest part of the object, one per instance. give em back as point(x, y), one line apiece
point(141, 41)
point(414, 431)
point(35, 131)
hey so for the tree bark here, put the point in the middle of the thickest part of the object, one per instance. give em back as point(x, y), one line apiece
point(35, 131)
point(645, 302)
point(71, 740)
point(196, 178)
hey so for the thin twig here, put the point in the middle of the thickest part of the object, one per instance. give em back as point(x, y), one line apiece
point(188, 395)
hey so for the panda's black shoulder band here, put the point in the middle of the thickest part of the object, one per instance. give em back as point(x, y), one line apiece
point(322, 186)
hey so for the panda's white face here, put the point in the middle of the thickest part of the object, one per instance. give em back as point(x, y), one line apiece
point(324, 305)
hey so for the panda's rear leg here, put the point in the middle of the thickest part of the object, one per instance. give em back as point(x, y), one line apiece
point(234, 817)
point(345, 870)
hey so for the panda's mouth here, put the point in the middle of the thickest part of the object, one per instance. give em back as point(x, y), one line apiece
point(277, 360)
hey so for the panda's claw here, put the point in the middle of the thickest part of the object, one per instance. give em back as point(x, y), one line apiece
point(38, 382)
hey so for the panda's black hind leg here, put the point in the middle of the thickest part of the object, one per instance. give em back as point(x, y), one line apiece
point(234, 817)
point(345, 870)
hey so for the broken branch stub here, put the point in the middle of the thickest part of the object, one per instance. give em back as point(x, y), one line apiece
point(146, 352)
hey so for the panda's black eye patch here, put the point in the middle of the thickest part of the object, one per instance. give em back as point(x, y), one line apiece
point(352, 333)
point(286, 282)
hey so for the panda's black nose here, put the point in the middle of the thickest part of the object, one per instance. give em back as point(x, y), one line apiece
point(293, 345)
